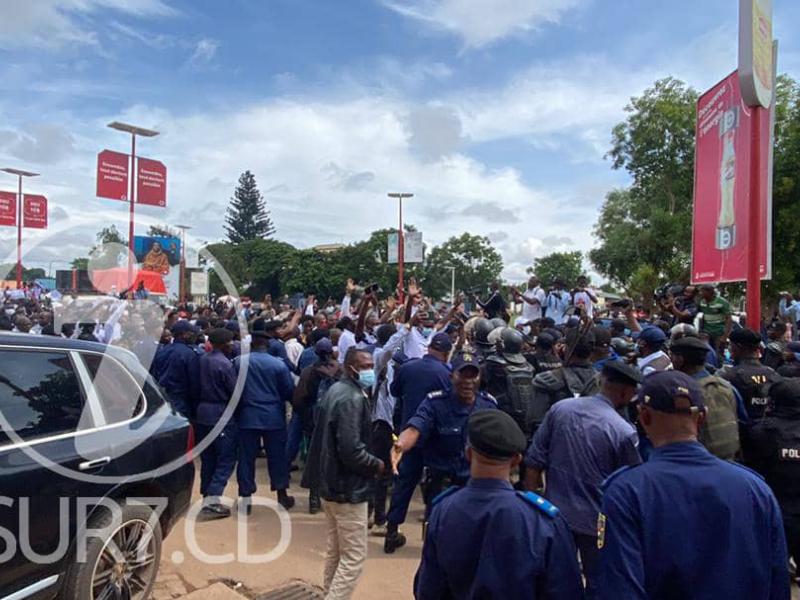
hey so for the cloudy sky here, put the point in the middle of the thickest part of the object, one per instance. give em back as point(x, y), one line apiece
point(495, 113)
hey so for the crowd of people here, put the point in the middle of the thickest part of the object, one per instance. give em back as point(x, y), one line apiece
point(562, 452)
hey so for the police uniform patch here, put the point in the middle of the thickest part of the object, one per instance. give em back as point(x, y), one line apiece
point(436, 394)
point(536, 500)
point(601, 531)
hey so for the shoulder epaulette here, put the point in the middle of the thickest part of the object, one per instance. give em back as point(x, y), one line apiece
point(536, 500)
point(436, 394)
point(615, 474)
point(441, 496)
point(489, 397)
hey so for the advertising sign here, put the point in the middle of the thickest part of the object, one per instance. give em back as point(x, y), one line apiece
point(157, 254)
point(112, 175)
point(34, 211)
point(198, 283)
point(412, 249)
point(8, 208)
point(151, 182)
point(720, 244)
point(755, 52)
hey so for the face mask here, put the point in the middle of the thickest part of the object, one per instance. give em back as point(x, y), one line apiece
point(427, 331)
point(366, 378)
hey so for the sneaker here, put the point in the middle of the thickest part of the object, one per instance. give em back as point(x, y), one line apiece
point(393, 541)
point(212, 512)
point(378, 530)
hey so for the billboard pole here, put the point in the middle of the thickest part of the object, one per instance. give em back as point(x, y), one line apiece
point(20, 174)
point(400, 243)
point(754, 256)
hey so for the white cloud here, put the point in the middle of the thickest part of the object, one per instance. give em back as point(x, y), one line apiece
point(55, 23)
point(481, 22)
point(204, 52)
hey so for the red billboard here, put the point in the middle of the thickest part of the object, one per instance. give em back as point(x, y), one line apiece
point(151, 187)
point(34, 212)
point(112, 175)
point(8, 208)
point(720, 243)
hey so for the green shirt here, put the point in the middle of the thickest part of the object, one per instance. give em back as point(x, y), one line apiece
point(715, 312)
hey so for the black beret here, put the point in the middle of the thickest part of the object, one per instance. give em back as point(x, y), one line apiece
point(745, 337)
point(689, 343)
point(220, 336)
point(495, 434)
point(618, 369)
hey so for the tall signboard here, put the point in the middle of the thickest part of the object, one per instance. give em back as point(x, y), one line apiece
point(755, 52)
point(721, 239)
point(412, 248)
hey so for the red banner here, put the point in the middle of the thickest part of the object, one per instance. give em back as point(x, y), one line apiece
point(112, 175)
point(151, 180)
point(723, 136)
point(34, 212)
point(8, 208)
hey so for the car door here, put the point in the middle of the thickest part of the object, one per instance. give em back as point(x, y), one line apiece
point(43, 411)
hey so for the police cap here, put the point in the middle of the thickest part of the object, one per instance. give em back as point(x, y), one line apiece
point(494, 434)
point(745, 337)
point(465, 361)
point(180, 327)
point(671, 392)
point(619, 371)
point(441, 342)
point(220, 336)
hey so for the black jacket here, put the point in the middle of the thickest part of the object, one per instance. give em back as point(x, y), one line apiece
point(340, 466)
point(772, 447)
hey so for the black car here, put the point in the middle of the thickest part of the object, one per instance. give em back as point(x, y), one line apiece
point(95, 469)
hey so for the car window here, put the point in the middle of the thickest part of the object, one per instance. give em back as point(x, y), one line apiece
point(117, 391)
point(40, 394)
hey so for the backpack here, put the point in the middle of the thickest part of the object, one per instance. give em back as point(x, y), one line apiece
point(518, 392)
point(720, 430)
point(552, 386)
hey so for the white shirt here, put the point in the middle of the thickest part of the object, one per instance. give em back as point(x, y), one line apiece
point(644, 363)
point(532, 312)
point(346, 340)
point(416, 344)
point(557, 304)
point(293, 351)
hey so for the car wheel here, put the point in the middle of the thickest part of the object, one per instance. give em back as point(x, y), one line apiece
point(122, 563)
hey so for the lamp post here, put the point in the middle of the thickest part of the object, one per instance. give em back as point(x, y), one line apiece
point(134, 131)
point(452, 283)
point(20, 174)
point(400, 242)
point(182, 283)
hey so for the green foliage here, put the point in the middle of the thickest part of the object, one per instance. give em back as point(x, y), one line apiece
point(476, 264)
point(567, 266)
point(643, 282)
point(8, 272)
point(163, 231)
point(255, 266)
point(247, 217)
point(650, 222)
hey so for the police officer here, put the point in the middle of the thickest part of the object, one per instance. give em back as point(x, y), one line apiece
point(440, 423)
point(580, 443)
point(217, 382)
point(543, 358)
point(179, 372)
point(508, 377)
point(686, 524)
point(261, 416)
point(576, 378)
point(772, 446)
point(412, 382)
point(480, 332)
point(487, 541)
point(752, 379)
point(271, 331)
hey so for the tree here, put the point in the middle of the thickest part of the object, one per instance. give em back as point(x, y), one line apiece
point(162, 231)
point(650, 222)
point(567, 266)
point(247, 217)
point(255, 266)
point(476, 264)
point(643, 283)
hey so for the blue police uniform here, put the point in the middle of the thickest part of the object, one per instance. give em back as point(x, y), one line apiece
point(487, 541)
point(688, 525)
point(277, 348)
point(217, 382)
point(160, 361)
point(412, 382)
point(179, 377)
point(261, 415)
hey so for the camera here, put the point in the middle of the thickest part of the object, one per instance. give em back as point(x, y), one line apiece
point(622, 303)
point(667, 290)
point(373, 289)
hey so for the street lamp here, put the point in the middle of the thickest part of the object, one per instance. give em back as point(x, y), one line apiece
point(134, 131)
point(182, 284)
point(20, 174)
point(400, 241)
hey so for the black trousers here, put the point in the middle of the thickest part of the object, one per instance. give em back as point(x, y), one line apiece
point(382, 443)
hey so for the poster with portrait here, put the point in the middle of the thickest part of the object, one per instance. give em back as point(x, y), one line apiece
point(157, 254)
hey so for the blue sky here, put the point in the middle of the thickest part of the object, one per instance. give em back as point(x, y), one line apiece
point(497, 114)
